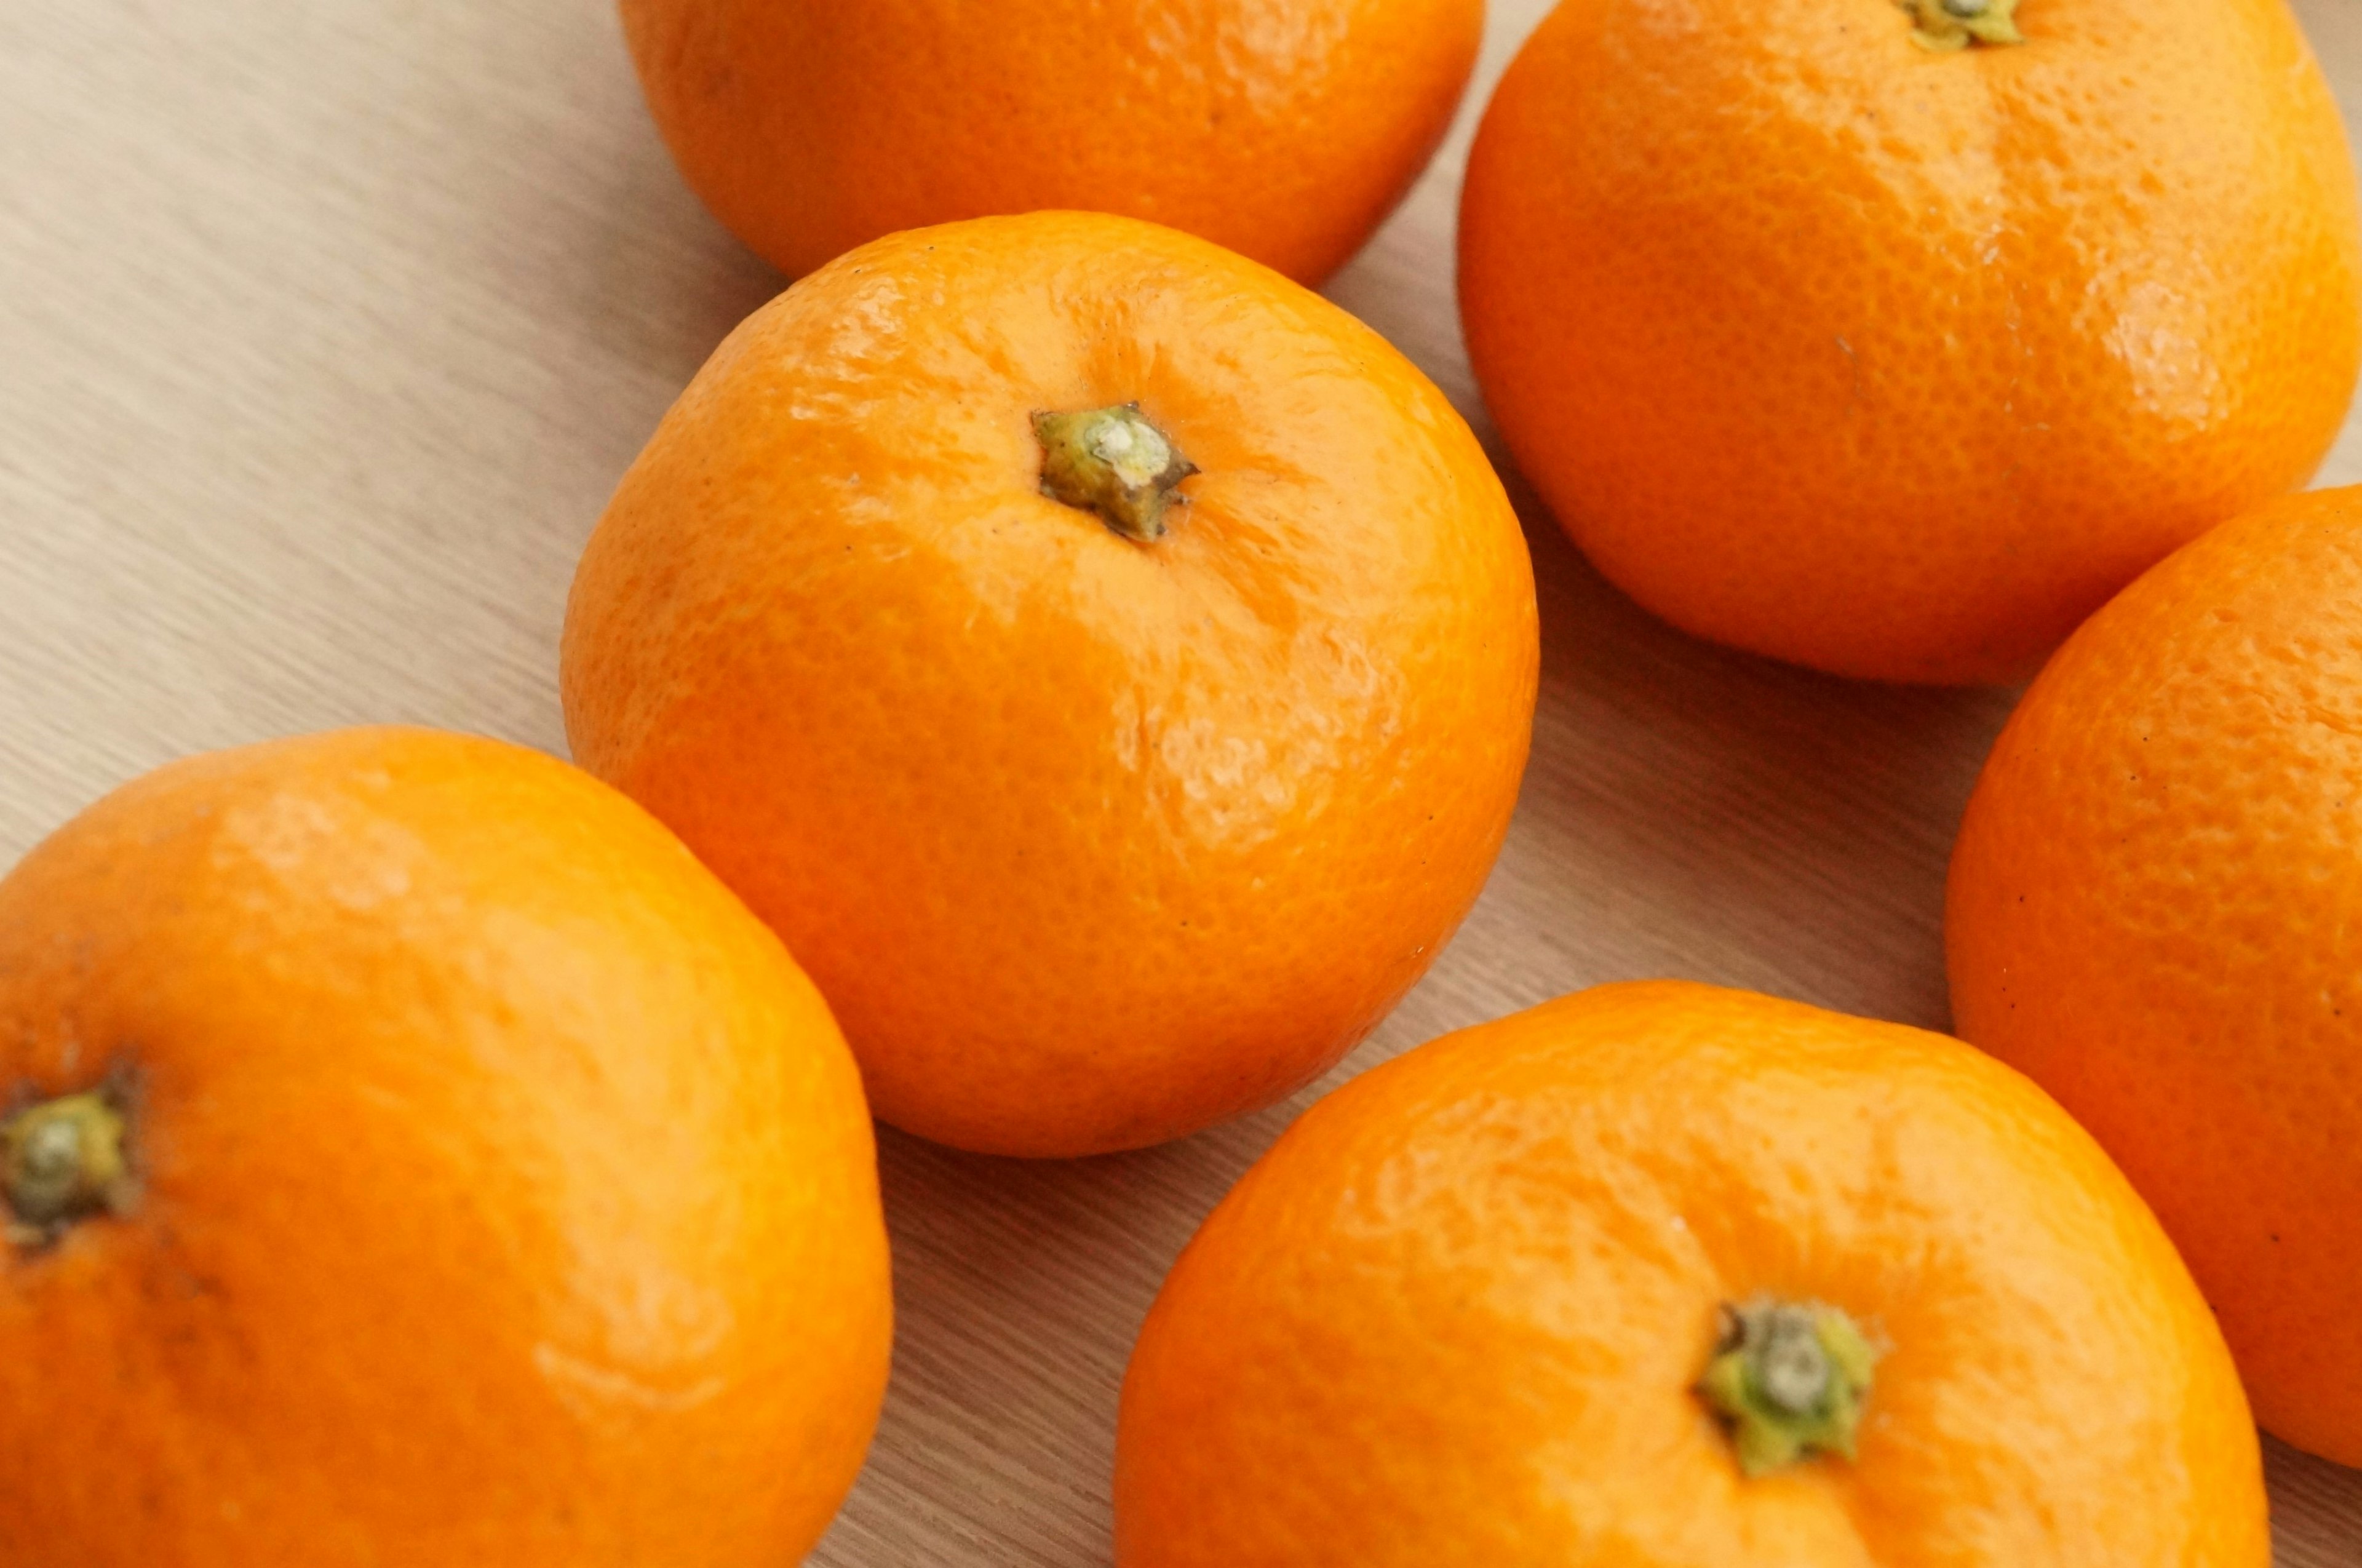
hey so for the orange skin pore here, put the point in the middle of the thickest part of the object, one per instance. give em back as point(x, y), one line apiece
point(1284, 129)
point(1456, 1315)
point(506, 1193)
point(1089, 843)
point(2156, 911)
point(1898, 363)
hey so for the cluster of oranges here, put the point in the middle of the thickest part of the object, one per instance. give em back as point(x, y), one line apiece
point(1107, 668)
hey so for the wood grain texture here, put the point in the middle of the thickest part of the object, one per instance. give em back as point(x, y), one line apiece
point(325, 331)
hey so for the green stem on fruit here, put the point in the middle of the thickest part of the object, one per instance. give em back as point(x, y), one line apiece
point(1112, 462)
point(1788, 1380)
point(62, 1160)
point(1944, 26)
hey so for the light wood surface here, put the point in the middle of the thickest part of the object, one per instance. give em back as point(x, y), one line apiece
point(324, 330)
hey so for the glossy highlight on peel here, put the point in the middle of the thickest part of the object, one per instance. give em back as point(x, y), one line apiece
point(1478, 1306)
point(414, 1156)
point(1893, 361)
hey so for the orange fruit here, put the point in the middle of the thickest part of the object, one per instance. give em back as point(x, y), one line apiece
point(2156, 911)
point(1096, 819)
point(1284, 129)
point(1662, 1275)
point(1897, 360)
point(416, 1158)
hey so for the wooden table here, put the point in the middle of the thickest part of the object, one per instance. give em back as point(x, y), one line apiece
point(324, 330)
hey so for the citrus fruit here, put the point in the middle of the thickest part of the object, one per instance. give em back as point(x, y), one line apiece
point(2156, 910)
point(1897, 359)
point(1661, 1274)
point(414, 1156)
point(1108, 665)
point(1284, 129)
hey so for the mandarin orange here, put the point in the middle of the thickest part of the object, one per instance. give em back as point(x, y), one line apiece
point(1897, 360)
point(1108, 665)
point(1660, 1276)
point(2156, 910)
point(1284, 129)
point(417, 1158)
